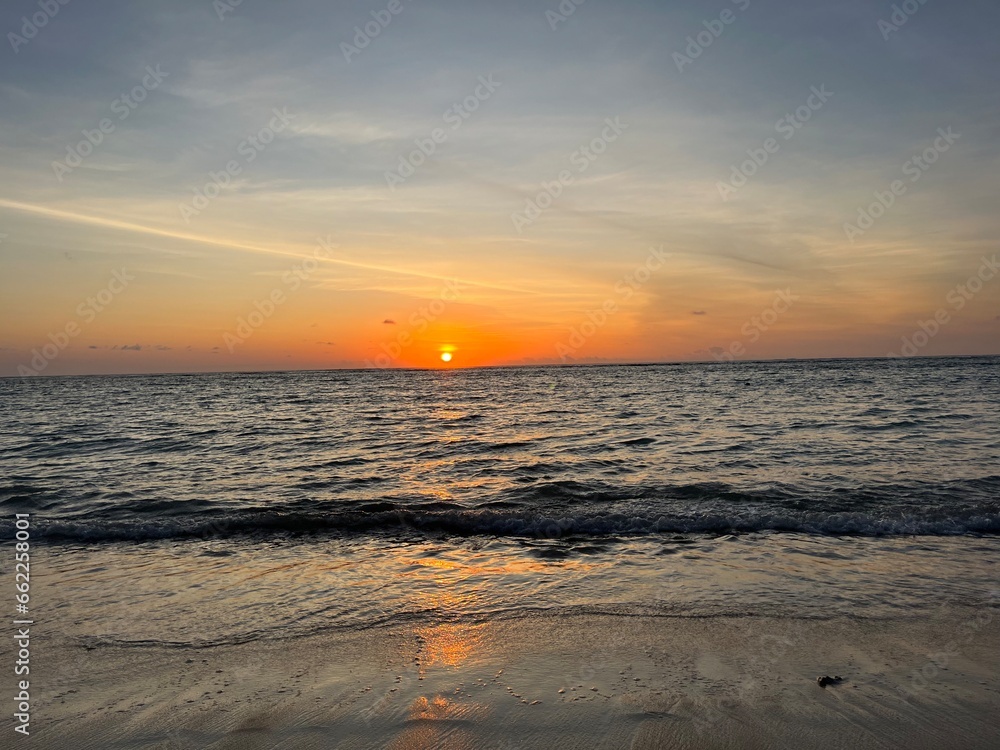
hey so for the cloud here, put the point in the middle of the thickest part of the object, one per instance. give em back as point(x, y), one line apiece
point(326, 343)
point(326, 171)
point(134, 347)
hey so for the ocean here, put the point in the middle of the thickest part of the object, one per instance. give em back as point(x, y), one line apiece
point(212, 509)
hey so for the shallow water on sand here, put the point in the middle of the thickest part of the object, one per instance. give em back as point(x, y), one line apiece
point(216, 592)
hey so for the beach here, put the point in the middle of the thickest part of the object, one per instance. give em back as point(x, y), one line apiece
point(546, 682)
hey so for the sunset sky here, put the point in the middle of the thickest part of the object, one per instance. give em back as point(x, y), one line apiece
point(327, 238)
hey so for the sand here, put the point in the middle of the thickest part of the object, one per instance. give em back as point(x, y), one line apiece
point(582, 681)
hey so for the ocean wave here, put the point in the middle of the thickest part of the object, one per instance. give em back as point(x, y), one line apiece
point(504, 522)
point(548, 508)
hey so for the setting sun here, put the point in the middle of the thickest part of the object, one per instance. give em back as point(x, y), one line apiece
point(446, 356)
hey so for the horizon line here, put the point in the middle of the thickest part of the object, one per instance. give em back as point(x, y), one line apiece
point(534, 365)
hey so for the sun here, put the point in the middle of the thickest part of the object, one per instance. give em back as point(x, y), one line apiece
point(446, 356)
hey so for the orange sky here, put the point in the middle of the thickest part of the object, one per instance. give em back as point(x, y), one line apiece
point(486, 184)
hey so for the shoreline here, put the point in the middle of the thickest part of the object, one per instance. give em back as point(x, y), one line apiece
point(637, 681)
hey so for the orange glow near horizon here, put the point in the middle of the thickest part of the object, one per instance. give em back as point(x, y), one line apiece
point(682, 313)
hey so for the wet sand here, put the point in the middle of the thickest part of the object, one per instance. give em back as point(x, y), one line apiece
point(582, 681)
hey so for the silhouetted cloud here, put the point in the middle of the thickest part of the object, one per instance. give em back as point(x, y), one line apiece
point(133, 347)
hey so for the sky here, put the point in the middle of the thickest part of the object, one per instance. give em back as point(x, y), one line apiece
point(198, 186)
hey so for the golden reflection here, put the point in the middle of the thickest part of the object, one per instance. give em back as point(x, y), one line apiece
point(435, 708)
point(441, 493)
point(441, 724)
point(426, 736)
point(449, 645)
point(436, 562)
point(518, 567)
